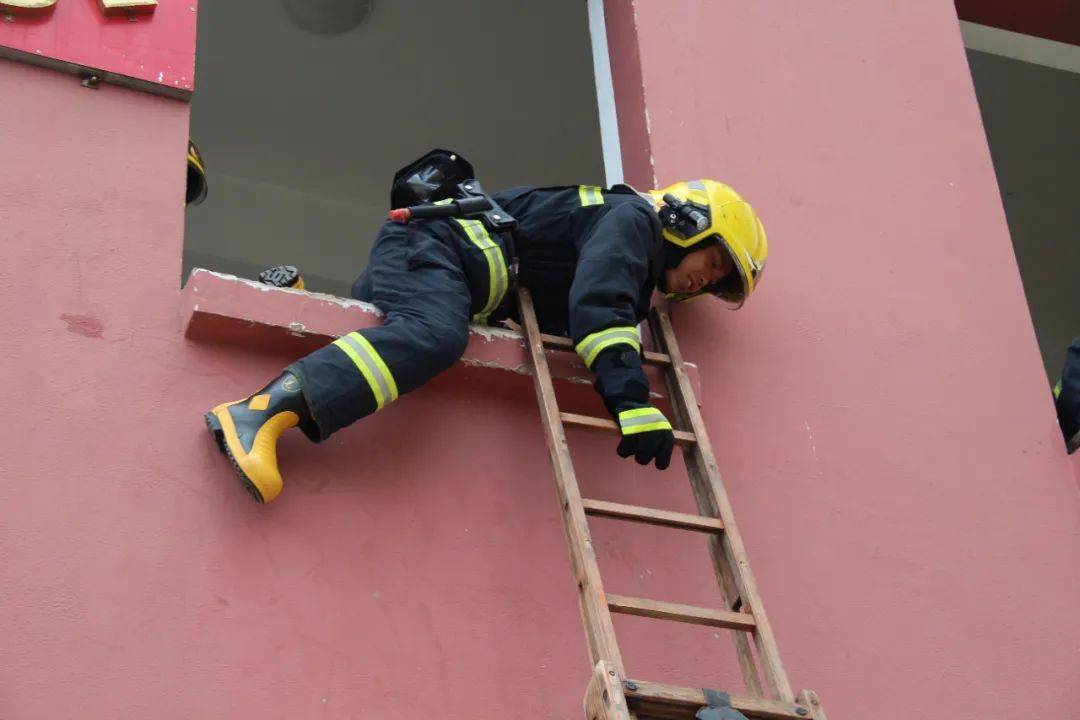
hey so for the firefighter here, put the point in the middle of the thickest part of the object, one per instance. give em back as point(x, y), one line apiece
point(1067, 397)
point(196, 176)
point(592, 258)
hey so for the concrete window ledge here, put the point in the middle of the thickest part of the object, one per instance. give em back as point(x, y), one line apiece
point(220, 308)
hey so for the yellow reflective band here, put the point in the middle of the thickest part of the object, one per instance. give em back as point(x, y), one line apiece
point(593, 344)
point(379, 363)
point(634, 430)
point(640, 420)
point(371, 366)
point(363, 368)
point(638, 412)
point(1057, 390)
point(497, 277)
point(590, 195)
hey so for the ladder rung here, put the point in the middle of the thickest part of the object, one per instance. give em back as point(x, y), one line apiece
point(652, 516)
point(680, 613)
point(649, 699)
point(554, 342)
point(594, 423)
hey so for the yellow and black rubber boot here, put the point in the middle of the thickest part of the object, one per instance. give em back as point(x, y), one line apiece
point(247, 432)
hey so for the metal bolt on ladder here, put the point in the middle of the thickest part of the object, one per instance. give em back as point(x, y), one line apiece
point(610, 695)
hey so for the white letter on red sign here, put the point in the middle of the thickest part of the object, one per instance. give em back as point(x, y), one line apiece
point(109, 7)
point(128, 7)
point(26, 7)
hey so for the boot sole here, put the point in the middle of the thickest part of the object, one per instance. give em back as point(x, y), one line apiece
point(214, 426)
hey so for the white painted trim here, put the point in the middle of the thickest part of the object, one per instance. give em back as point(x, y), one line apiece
point(605, 94)
point(1018, 46)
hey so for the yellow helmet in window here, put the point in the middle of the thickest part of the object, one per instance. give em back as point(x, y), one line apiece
point(699, 213)
point(196, 176)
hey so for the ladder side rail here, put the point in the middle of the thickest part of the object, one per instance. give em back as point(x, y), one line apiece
point(604, 697)
point(729, 590)
point(712, 499)
point(596, 617)
point(810, 699)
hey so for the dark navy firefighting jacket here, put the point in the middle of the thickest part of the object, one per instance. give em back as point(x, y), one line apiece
point(591, 258)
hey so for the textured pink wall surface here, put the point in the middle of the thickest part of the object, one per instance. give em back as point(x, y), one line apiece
point(879, 408)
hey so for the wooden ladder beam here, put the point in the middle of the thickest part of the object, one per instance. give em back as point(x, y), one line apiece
point(609, 695)
point(659, 700)
point(730, 559)
point(594, 423)
point(652, 516)
point(604, 697)
point(595, 615)
point(678, 612)
point(555, 342)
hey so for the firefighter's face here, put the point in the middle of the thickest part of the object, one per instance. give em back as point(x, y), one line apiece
point(698, 270)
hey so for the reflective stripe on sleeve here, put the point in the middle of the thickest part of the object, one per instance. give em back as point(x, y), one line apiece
point(591, 346)
point(590, 195)
point(371, 366)
point(497, 277)
point(640, 420)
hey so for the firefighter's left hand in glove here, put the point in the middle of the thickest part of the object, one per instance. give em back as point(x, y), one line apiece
point(646, 434)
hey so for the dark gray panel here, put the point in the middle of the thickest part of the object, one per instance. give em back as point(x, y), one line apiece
point(1032, 119)
point(301, 132)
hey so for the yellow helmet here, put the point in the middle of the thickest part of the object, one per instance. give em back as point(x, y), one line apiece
point(700, 213)
point(196, 176)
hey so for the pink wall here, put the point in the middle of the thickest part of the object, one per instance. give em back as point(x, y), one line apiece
point(880, 412)
point(150, 51)
point(414, 564)
point(880, 409)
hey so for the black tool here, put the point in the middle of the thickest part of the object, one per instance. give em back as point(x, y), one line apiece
point(471, 203)
point(685, 218)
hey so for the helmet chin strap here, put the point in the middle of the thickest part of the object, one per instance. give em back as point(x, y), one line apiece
point(673, 255)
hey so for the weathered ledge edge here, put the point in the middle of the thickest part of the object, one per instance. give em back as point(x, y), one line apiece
point(222, 308)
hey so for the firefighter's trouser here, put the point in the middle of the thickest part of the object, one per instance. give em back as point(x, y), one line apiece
point(421, 278)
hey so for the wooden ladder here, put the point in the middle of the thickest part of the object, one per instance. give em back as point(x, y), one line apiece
point(611, 695)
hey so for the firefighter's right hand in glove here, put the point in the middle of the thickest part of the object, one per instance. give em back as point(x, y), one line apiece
point(646, 434)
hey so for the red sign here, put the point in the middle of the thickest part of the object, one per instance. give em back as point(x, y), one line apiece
point(148, 44)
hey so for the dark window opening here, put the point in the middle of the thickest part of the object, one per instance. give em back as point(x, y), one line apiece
point(303, 111)
point(1031, 112)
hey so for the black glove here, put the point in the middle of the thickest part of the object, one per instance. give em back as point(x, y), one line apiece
point(646, 434)
point(624, 387)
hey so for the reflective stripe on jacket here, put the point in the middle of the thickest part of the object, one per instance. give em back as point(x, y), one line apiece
point(591, 257)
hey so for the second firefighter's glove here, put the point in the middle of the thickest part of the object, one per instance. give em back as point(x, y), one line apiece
point(646, 434)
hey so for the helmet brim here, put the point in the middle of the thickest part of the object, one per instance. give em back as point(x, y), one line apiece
point(735, 287)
